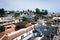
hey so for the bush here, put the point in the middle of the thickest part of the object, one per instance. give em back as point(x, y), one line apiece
point(2, 28)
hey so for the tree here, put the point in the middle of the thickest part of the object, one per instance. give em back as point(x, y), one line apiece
point(16, 15)
point(43, 12)
point(28, 10)
point(2, 12)
point(24, 19)
point(51, 16)
point(11, 12)
point(2, 28)
point(46, 12)
point(23, 11)
point(19, 26)
point(36, 18)
point(37, 11)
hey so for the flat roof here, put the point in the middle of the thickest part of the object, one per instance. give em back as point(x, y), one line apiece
point(10, 34)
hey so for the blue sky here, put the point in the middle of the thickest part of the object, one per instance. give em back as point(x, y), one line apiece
point(50, 5)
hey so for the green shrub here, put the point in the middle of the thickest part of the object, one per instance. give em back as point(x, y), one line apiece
point(2, 28)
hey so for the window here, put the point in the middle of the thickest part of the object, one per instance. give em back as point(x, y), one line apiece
point(1, 22)
point(16, 39)
point(58, 20)
point(22, 37)
point(8, 27)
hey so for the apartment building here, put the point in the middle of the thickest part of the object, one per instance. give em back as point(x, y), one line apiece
point(22, 34)
point(8, 20)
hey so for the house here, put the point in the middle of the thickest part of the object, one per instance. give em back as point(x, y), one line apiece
point(54, 23)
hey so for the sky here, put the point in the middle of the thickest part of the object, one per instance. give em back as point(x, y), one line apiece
point(50, 5)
